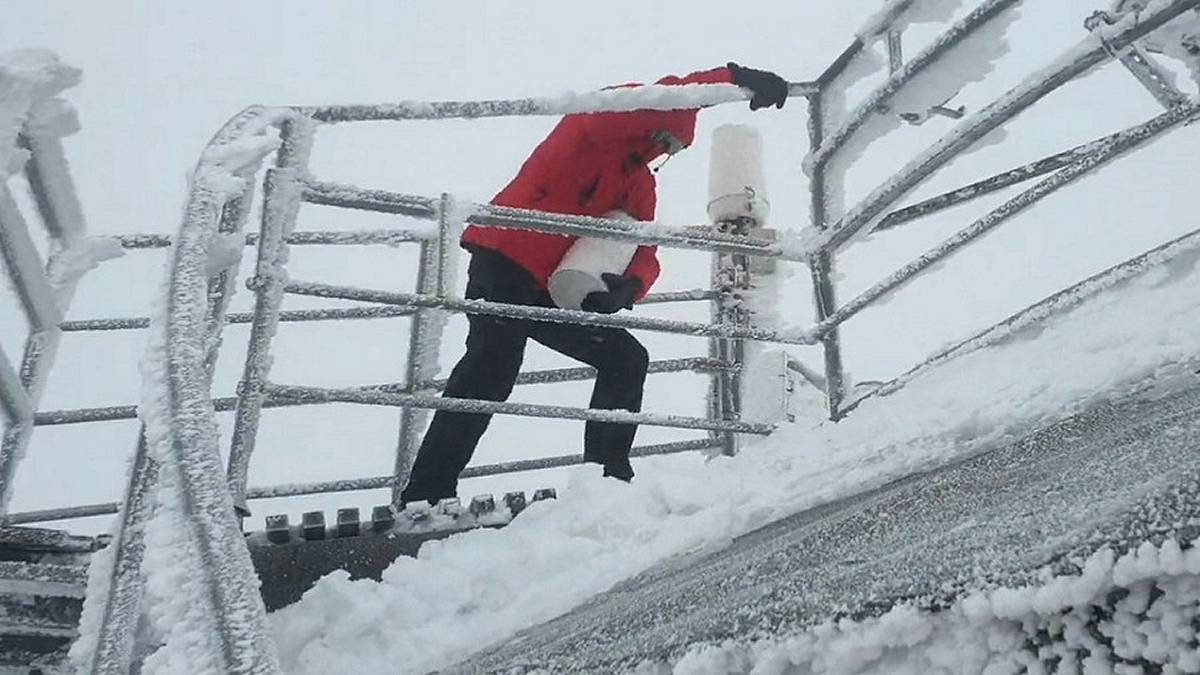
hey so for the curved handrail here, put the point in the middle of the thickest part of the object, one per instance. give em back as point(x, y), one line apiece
point(180, 434)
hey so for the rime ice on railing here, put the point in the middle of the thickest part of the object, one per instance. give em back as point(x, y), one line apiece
point(964, 53)
point(1073, 63)
point(32, 120)
point(190, 555)
point(1180, 40)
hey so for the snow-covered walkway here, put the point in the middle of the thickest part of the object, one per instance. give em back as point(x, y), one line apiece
point(481, 587)
point(1101, 483)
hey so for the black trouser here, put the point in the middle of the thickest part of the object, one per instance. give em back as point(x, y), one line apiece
point(495, 348)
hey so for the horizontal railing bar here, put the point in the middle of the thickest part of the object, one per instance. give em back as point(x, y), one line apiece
point(572, 460)
point(663, 98)
point(322, 487)
point(552, 314)
point(1054, 304)
point(141, 241)
point(387, 236)
point(1117, 145)
point(341, 313)
point(989, 185)
point(373, 483)
point(322, 395)
point(679, 296)
point(992, 116)
point(386, 482)
point(66, 513)
point(85, 415)
point(330, 314)
point(694, 237)
point(115, 413)
point(698, 364)
point(119, 323)
point(382, 201)
point(228, 403)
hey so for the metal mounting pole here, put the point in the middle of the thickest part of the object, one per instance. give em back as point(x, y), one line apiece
point(731, 278)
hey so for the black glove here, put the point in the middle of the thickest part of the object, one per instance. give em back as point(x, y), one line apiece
point(622, 289)
point(769, 89)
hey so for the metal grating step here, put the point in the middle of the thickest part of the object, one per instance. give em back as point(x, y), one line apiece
point(290, 558)
point(43, 578)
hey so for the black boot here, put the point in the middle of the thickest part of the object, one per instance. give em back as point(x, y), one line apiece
point(614, 467)
point(620, 471)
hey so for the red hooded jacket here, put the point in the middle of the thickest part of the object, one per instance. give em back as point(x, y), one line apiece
point(591, 164)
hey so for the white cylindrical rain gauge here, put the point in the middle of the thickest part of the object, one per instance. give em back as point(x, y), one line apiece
point(736, 188)
point(580, 270)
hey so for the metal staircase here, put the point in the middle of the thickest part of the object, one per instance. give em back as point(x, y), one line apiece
point(181, 497)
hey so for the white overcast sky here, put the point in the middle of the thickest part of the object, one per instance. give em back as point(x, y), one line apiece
point(161, 76)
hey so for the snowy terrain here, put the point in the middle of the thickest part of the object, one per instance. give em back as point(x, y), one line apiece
point(1148, 596)
point(480, 587)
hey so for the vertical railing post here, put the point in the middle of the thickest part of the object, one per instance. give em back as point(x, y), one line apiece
point(412, 420)
point(281, 203)
point(821, 263)
point(434, 277)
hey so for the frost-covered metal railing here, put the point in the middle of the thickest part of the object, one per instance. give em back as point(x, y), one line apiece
point(433, 297)
point(30, 82)
point(836, 135)
point(176, 491)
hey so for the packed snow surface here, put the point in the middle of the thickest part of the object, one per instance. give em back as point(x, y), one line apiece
point(1141, 606)
point(480, 587)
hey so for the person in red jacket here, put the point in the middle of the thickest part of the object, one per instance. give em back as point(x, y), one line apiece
point(591, 164)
